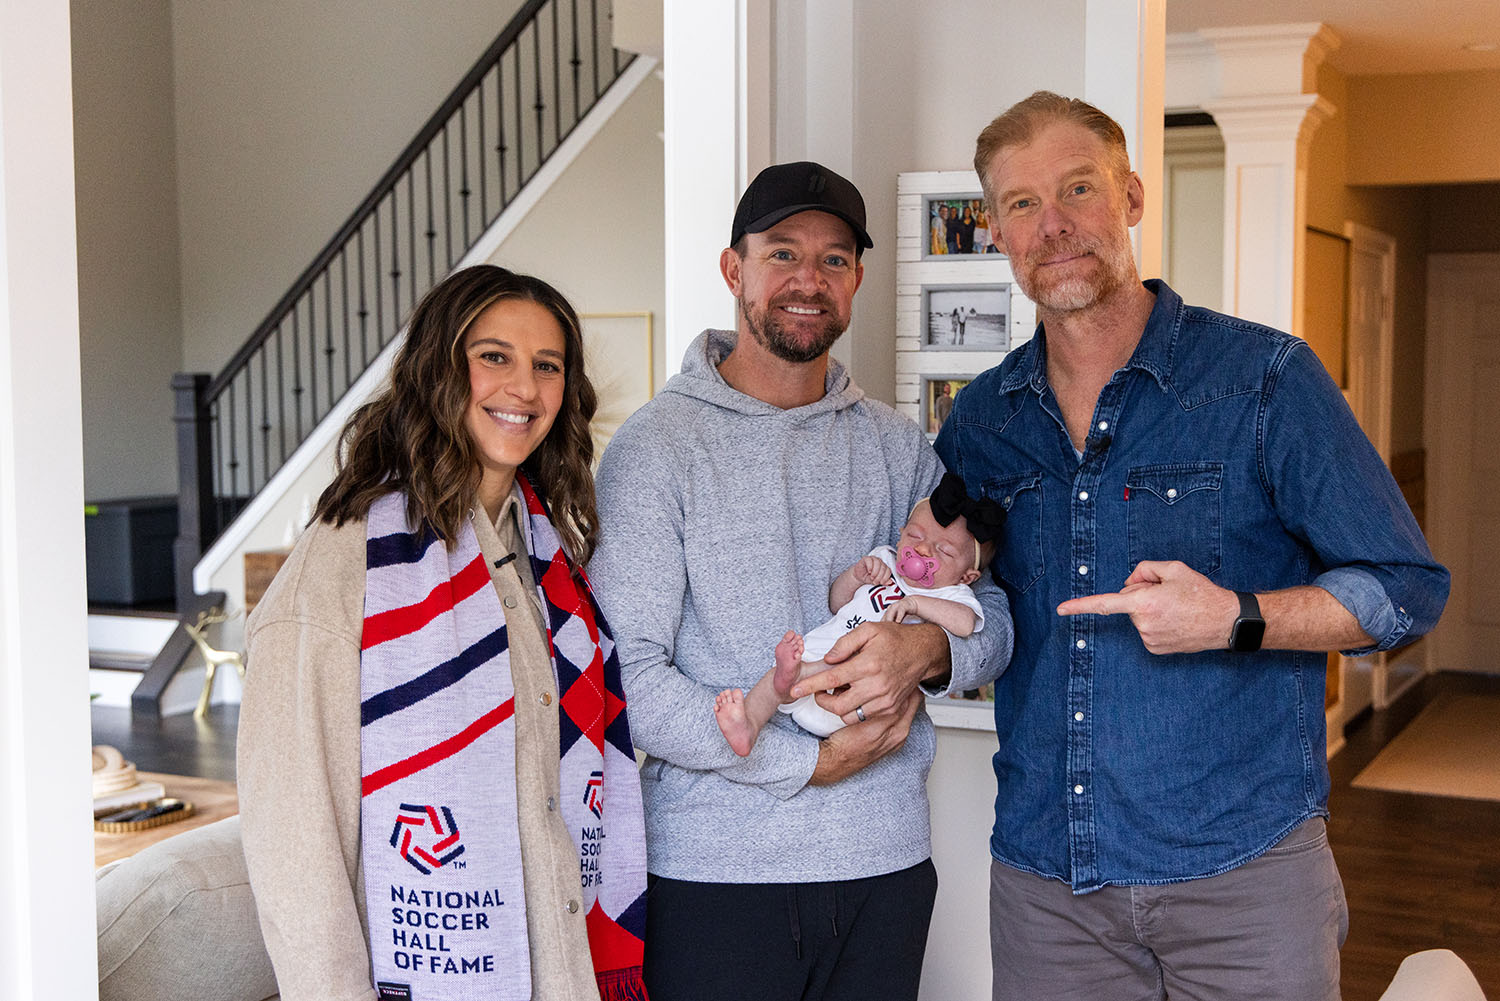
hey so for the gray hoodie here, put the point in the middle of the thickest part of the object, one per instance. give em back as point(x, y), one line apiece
point(725, 519)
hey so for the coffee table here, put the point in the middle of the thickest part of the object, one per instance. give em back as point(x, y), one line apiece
point(212, 800)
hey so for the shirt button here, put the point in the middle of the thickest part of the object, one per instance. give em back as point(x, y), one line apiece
point(1078, 790)
point(545, 698)
point(510, 602)
point(572, 907)
point(1083, 571)
point(1081, 645)
point(1078, 717)
point(551, 803)
point(1171, 491)
point(1006, 501)
point(1104, 425)
point(1083, 495)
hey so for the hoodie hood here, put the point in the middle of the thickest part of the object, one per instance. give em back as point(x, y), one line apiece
point(700, 380)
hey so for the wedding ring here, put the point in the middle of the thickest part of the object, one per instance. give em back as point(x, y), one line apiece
point(859, 712)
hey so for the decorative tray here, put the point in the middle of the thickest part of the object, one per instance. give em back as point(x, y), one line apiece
point(142, 816)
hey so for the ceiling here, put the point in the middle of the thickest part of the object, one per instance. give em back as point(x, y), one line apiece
point(1377, 36)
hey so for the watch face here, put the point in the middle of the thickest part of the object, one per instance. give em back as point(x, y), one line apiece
point(1247, 635)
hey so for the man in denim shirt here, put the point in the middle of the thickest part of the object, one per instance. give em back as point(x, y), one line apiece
point(1192, 509)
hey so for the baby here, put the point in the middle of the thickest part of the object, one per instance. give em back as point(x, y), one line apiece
point(944, 546)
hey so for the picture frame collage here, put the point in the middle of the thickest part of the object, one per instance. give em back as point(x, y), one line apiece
point(958, 309)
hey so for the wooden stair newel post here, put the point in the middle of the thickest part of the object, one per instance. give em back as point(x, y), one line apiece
point(195, 494)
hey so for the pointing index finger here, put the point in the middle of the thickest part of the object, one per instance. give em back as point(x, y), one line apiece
point(1098, 604)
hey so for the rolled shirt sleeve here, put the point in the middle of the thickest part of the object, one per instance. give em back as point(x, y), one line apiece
point(1331, 488)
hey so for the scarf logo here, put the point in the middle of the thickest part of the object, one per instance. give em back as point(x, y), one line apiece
point(425, 839)
point(593, 794)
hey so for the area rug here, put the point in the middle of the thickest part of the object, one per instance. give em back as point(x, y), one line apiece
point(1452, 748)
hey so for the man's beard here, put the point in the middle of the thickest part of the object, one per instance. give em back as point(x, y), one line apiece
point(773, 336)
point(1075, 292)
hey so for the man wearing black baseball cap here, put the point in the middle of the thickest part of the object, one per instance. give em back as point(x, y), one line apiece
point(727, 504)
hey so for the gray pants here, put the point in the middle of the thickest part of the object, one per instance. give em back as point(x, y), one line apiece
point(1269, 930)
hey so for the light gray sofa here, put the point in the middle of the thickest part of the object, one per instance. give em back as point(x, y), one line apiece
point(177, 922)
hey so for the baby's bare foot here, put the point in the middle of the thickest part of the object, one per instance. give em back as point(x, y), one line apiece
point(788, 665)
point(729, 710)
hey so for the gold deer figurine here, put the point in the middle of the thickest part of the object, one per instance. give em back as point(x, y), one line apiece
point(213, 658)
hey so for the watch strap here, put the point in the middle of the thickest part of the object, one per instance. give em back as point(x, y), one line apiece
point(1250, 627)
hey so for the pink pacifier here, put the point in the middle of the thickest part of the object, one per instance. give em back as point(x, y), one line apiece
point(916, 568)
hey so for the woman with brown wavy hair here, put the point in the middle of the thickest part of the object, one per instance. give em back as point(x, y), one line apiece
point(434, 715)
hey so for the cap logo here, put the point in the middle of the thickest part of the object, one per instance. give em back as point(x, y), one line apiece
point(816, 183)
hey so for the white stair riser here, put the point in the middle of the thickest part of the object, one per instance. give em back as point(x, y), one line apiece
point(114, 688)
point(133, 634)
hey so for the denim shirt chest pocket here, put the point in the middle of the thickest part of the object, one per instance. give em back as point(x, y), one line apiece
point(1019, 559)
point(1173, 513)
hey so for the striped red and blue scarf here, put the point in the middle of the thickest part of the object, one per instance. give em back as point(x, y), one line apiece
point(440, 846)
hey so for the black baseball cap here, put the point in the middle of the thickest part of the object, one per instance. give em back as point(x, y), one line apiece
point(784, 189)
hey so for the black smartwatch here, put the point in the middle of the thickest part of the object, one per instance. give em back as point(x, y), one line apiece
point(1249, 629)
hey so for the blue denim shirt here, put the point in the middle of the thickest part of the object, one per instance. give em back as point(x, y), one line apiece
point(1225, 445)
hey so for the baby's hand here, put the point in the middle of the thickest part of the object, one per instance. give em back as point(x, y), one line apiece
point(872, 570)
point(901, 609)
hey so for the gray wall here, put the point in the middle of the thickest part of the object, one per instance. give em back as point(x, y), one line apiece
point(129, 297)
point(218, 145)
point(287, 114)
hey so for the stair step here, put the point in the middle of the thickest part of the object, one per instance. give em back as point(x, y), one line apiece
point(127, 642)
point(119, 660)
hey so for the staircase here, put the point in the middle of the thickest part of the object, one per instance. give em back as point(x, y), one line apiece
point(535, 97)
point(131, 652)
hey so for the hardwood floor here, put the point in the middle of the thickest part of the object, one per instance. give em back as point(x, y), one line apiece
point(1420, 872)
point(178, 744)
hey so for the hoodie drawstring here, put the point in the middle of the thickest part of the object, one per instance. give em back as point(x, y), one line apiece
point(791, 909)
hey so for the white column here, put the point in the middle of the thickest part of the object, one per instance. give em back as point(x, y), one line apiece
point(46, 844)
point(716, 104)
point(1266, 119)
point(1264, 202)
point(1123, 72)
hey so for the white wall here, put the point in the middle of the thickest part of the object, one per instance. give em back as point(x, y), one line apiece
point(961, 790)
point(128, 298)
point(1192, 198)
point(287, 113)
point(598, 233)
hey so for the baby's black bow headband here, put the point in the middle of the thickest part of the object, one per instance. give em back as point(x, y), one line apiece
point(986, 518)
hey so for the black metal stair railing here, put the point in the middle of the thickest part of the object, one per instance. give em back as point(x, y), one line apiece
point(524, 96)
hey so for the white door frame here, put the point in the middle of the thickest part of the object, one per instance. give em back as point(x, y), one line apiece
point(1372, 359)
point(47, 945)
point(1370, 355)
